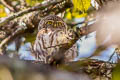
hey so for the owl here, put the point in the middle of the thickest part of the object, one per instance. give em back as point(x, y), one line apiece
point(54, 41)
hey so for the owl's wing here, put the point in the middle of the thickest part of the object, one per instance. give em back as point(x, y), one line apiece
point(71, 53)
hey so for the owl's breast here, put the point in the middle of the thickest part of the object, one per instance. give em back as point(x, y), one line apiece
point(49, 42)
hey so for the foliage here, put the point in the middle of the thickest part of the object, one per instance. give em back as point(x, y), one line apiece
point(80, 8)
point(2, 11)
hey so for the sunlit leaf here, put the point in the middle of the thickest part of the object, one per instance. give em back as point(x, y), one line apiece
point(68, 15)
point(80, 8)
point(77, 15)
point(81, 5)
point(33, 2)
point(2, 11)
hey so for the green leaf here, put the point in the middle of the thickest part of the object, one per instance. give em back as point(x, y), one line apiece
point(116, 72)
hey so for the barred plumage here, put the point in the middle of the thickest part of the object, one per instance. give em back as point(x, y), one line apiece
point(53, 40)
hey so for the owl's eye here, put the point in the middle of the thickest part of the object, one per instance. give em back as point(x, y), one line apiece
point(49, 22)
point(59, 23)
point(55, 25)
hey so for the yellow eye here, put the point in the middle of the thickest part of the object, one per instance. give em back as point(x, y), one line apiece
point(59, 23)
point(49, 22)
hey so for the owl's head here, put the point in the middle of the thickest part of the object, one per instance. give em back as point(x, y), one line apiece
point(52, 21)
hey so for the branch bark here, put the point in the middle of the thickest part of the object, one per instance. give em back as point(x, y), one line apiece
point(79, 70)
point(8, 5)
point(35, 8)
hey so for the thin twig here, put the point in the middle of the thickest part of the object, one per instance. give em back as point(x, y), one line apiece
point(112, 55)
point(8, 5)
point(6, 40)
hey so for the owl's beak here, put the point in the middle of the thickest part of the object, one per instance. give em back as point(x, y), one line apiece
point(55, 25)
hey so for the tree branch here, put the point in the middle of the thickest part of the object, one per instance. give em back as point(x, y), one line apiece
point(23, 3)
point(35, 8)
point(9, 38)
